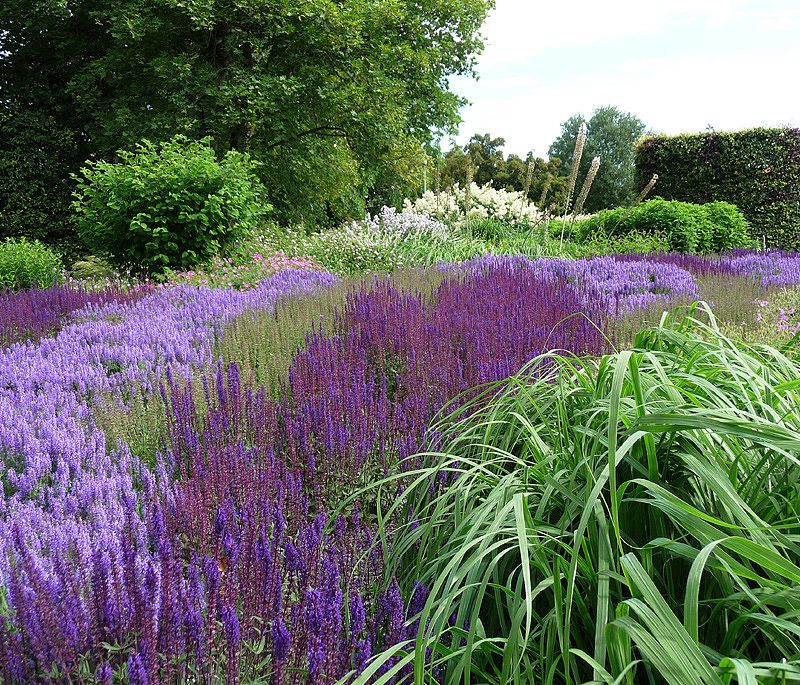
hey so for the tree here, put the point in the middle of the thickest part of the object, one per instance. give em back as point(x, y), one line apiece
point(325, 94)
point(486, 154)
point(612, 136)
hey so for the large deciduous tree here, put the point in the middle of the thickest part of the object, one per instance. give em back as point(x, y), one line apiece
point(612, 135)
point(328, 95)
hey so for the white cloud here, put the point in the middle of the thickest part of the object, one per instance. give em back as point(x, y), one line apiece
point(520, 29)
point(523, 96)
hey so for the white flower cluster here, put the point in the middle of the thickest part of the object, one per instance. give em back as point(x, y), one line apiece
point(404, 225)
point(486, 202)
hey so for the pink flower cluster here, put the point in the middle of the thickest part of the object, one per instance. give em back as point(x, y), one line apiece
point(224, 273)
point(788, 318)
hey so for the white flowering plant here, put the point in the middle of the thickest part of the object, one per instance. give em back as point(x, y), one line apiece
point(407, 224)
point(347, 250)
point(383, 242)
point(486, 202)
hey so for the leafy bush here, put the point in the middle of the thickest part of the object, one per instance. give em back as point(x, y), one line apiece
point(171, 205)
point(28, 264)
point(730, 228)
point(630, 243)
point(757, 170)
point(687, 227)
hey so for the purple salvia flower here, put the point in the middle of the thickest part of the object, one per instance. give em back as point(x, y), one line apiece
point(281, 640)
point(137, 672)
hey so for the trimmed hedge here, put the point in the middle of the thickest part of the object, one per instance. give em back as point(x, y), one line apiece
point(36, 158)
point(758, 170)
point(686, 227)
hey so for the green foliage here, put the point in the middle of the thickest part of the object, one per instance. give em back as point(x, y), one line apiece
point(458, 247)
point(91, 267)
point(347, 250)
point(334, 97)
point(28, 264)
point(730, 228)
point(634, 242)
point(351, 251)
point(758, 170)
point(632, 519)
point(685, 226)
point(612, 136)
point(36, 156)
point(171, 205)
point(539, 242)
point(490, 230)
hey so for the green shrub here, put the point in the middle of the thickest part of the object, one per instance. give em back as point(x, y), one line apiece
point(171, 205)
point(758, 170)
point(27, 264)
point(686, 227)
point(634, 242)
point(730, 228)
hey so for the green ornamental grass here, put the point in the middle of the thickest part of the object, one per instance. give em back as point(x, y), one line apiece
point(632, 519)
point(26, 264)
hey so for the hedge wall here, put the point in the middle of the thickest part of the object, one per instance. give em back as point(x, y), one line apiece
point(757, 170)
point(36, 158)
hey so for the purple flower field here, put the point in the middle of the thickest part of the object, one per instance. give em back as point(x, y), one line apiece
point(229, 557)
point(32, 314)
point(766, 268)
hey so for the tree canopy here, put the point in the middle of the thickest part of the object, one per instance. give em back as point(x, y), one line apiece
point(612, 135)
point(336, 99)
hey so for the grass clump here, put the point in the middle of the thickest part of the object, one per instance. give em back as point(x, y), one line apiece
point(632, 519)
point(26, 264)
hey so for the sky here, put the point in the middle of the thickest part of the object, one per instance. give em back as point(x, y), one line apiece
point(679, 65)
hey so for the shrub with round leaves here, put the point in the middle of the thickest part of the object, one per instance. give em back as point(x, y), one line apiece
point(167, 205)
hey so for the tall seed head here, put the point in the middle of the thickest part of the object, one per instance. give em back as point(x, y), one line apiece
point(529, 178)
point(577, 154)
point(587, 185)
point(527, 187)
point(646, 190)
point(545, 189)
point(468, 188)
